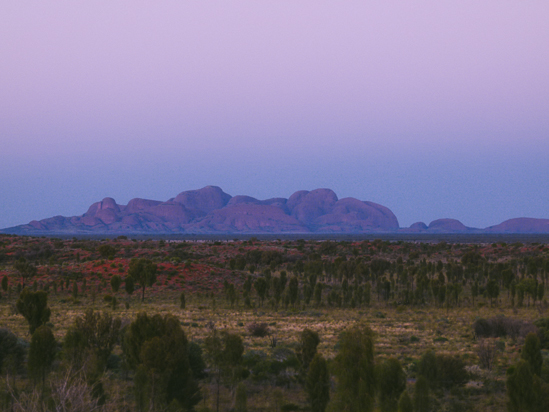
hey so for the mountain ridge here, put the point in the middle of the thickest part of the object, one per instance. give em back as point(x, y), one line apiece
point(210, 210)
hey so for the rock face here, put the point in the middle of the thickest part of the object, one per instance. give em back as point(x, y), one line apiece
point(210, 210)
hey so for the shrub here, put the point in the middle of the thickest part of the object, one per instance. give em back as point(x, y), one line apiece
point(442, 370)
point(41, 353)
point(451, 371)
point(34, 308)
point(486, 354)
point(543, 332)
point(500, 326)
point(259, 330)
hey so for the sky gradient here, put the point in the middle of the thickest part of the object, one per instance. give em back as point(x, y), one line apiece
point(433, 109)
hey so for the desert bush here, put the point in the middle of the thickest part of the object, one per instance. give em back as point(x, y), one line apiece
point(391, 383)
point(12, 352)
point(501, 326)
point(317, 384)
point(156, 348)
point(67, 393)
point(442, 370)
point(543, 332)
point(308, 342)
point(93, 333)
point(259, 330)
point(354, 370)
point(41, 353)
point(486, 354)
point(531, 353)
point(34, 308)
point(451, 371)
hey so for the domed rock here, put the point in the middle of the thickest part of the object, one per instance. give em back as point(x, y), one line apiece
point(203, 200)
point(447, 226)
point(521, 225)
point(353, 215)
point(418, 227)
point(308, 206)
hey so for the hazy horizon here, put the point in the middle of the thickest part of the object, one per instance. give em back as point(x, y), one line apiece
point(435, 110)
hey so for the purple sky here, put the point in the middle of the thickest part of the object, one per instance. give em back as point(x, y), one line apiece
point(433, 108)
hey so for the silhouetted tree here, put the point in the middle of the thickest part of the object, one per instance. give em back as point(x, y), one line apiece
point(241, 398)
point(317, 384)
point(354, 370)
point(391, 383)
point(26, 270)
point(34, 308)
point(156, 348)
point(143, 271)
point(116, 281)
point(405, 403)
point(224, 353)
point(41, 353)
point(422, 402)
point(308, 342)
point(531, 353)
point(260, 286)
point(12, 353)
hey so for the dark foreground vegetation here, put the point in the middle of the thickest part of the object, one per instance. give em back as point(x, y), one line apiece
point(124, 325)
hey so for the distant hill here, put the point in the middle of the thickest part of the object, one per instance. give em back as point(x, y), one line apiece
point(210, 210)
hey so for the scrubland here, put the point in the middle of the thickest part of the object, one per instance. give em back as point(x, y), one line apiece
point(415, 297)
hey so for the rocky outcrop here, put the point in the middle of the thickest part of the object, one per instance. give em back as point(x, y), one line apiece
point(308, 206)
point(439, 226)
point(447, 226)
point(521, 225)
point(204, 200)
point(418, 227)
point(350, 215)
point(210, 210)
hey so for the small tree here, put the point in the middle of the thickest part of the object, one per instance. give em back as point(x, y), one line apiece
point(317, 384)
point(74, 290)
point(41, 353)
point(354, 370)
point(391, 383)
point(308, 342)
point(405, 403)
point(224, 352)
point(260, 286)
point(241, 398)
point(88, 344)
point(156, 348)
point(116, 281)
point(143, 271)
point(5, 283)
point(428, 368)
point(531, 353)
point(422, 403)
point(12, 353)
point(182, 300)
point(492, 290)
point(293, 290)
point(520, 387)
point(107, 251)
point(129, 285)
point(26, 270)
point(34, 308)
point(474, 291)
